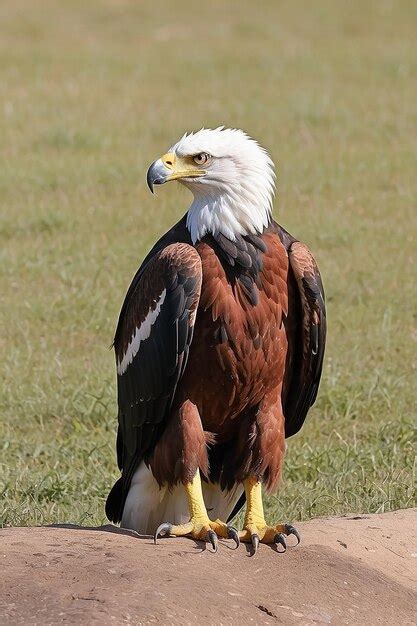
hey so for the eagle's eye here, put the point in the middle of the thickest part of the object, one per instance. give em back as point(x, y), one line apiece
point(201, 158)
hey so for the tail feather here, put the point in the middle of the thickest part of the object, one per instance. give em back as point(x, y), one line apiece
point(113, 502)
point(220, 504)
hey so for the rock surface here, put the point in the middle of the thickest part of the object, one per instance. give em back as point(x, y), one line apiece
point(349, 570)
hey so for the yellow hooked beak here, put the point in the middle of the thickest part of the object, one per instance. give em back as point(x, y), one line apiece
point(171, 167)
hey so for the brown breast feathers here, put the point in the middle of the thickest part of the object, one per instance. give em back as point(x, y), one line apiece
point(237, 357)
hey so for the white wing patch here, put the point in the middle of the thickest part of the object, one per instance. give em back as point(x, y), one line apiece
point(141, 333)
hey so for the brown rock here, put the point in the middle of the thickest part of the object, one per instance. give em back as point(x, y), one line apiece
point(349, 570)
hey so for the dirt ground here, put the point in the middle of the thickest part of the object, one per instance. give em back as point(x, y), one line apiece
point(349, 570)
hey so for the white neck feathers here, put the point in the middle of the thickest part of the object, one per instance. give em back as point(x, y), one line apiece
point(229, 213)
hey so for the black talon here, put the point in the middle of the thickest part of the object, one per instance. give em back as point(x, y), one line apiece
point(280, 538)
point(233, 534)
point(255, 543)
point(164, 528)
point(290, 530)
point(212, 537)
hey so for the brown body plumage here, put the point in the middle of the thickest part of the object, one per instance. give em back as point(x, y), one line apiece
point(231, 389)
point(227, 416)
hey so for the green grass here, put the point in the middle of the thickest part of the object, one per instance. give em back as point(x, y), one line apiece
point(91, 93)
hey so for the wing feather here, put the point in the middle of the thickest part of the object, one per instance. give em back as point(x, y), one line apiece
point(152, 341)
point(306, 332)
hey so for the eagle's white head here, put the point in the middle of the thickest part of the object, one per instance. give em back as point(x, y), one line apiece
point(230, 175)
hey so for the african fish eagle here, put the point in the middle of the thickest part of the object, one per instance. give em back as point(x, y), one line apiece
point(219, 351)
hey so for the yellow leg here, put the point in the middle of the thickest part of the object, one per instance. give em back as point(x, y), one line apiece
point(255, 528)
point(200, 526)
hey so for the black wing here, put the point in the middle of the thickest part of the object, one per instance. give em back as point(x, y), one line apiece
point(152, 340)
point(306, 332)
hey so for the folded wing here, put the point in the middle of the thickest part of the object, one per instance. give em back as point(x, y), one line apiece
point(152, 341)
point(306, 332)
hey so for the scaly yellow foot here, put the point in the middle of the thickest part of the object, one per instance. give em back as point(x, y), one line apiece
point(200, 526)
point(255, 528)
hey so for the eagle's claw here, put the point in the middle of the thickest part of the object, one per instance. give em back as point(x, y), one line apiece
point(212, 537)
point(290, 530)
point(233, 534)
point(200, 531)
point(164, 530)
point(255, 543)
point(280, 539)
point(256, 533)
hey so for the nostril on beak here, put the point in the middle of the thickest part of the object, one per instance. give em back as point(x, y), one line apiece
point(168, 162)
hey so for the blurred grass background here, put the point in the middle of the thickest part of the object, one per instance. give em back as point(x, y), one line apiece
point(91, 93)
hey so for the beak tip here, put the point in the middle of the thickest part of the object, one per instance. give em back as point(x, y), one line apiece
point(156, 175)
point(149, 182)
